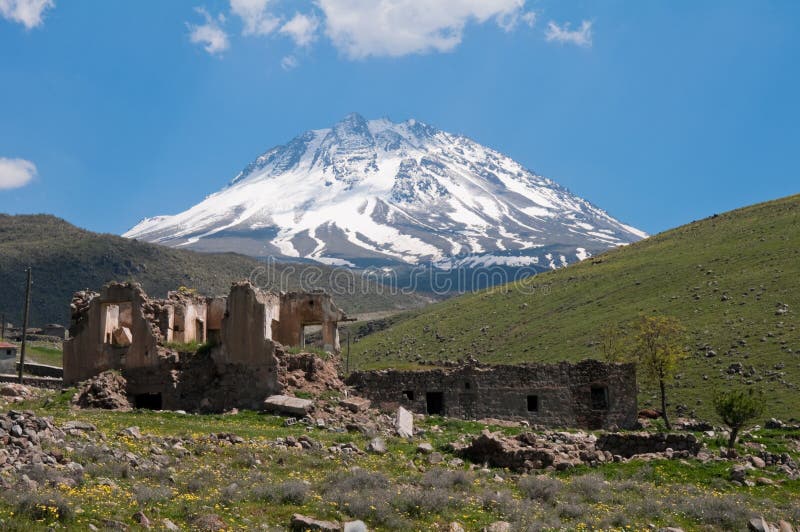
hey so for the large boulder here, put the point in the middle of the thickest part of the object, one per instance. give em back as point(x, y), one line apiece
point(284, 404)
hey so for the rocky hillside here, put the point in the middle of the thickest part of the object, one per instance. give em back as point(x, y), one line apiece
point(66, 258)
point(733, 280)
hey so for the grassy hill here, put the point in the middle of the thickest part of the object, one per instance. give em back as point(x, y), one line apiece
point(66, 258)
point(724, 277)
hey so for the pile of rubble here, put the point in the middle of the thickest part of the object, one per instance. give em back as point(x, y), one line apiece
point(16, 393)
point(308, 373)
point(21, 438)
point(563, 450)
point(107, 390)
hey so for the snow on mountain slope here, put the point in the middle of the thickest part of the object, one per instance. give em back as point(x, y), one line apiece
point(379, 192)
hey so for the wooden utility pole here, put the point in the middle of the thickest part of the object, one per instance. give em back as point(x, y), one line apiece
point(25, 326)
point(347, 368)
point(3, 328)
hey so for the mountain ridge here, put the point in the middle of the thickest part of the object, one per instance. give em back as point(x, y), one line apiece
point(372, 192)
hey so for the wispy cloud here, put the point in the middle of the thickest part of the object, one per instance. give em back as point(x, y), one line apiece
point(15, 173)
point(29, 13)
point(562, 34)
point(255, 16)
point(210, 35)
point(363, 28)
point(301, 28)
point(289, 62)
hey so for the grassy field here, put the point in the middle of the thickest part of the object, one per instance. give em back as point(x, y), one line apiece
point(258, 484)
point(733, 280)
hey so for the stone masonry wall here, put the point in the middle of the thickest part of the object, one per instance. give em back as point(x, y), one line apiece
point(589, 394)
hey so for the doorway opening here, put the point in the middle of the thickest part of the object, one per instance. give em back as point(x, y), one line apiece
point(434, 403)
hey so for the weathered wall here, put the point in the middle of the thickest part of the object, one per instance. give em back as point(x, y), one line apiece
point(299, 309)
point(88, 352)
point(563, 392)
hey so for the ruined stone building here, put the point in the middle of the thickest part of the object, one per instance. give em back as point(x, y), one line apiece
point(589, 394)
point(242, 334)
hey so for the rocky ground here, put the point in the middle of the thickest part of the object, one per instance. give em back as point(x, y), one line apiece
point(347, 466)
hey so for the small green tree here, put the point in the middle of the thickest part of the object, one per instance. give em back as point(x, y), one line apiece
point(612, 343)
point(658, 348)
point(738, 407)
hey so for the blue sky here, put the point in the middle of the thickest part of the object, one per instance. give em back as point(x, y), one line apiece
point(659, 112)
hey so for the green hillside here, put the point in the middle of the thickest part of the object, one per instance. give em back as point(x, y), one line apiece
point(66, 258)
point(725, 277)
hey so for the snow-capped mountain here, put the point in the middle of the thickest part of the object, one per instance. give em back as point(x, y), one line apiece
point(380, 192)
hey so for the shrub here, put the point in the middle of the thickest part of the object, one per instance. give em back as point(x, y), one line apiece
point(146, 494)
point(592, 488)
point(444, 478)
point(726, 512)
point(540, 488)
point(44, 506)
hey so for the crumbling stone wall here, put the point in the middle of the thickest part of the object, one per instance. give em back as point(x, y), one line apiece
point(93, 346)
point(300, 309)
point(122, 329)
point(589, 394)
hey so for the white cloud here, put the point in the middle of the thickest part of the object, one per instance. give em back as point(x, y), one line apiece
point(210, 35)
point(15, 173)
point(529, 18)
point(301, 28)
point(289, 62)
point(26, 12)
point(257, 21)
point(362, 28)
point(562, 34)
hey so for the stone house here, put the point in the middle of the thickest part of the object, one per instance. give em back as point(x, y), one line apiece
point(589, 394)
point(122, 329)
point(8, 358)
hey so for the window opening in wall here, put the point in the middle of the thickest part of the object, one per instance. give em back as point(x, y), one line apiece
point(533, 403)
point(409, 395)
point(599, 398)
point(198, 331)
point(434, 402)
point(466, 385)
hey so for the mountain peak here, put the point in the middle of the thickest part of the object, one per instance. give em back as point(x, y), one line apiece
point(378, 191)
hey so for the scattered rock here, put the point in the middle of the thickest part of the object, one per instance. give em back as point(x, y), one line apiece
point(757, 462)
point(377, 446)
point(425, 448)
point(131, 432)
point(141, 519)
point(208, 522)
point(498, 526)
point(404, 423)
point(738, 473)
point(301, 523)
point(355, 526)
point(759, 524)
point(355, 404)
point(284, 404)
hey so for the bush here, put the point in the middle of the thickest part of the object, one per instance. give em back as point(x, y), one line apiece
point(592, 488)
point(146, 494)
point(540, 488)
point(444, 478)
point(726, 512)
point(44, 506)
